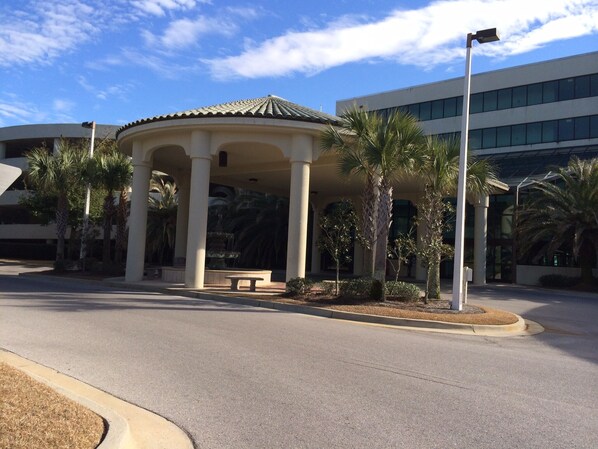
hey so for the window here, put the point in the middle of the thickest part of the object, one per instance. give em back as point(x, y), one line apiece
point(518, 135)
point(450, 107)
point(504, 98)
point(594, 126)
point(550, 90)
point(534, 133)
point(489, 138)
point(425, 110)
point(503, 136)
point(534, 94)
point(566, 89)
point(475, 139)
point(566, 129)
point(414, 109)
point(437, 109)
point(582, 127)
point(594, 85)
point(549, 131)
point(582, 86)
point(476, 103)
point(519, 96)
point(490, 101)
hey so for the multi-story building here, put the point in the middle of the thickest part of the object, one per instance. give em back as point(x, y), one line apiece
point(525, 119)
point(20, 234)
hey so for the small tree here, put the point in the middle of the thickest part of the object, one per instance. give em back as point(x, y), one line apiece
point(337, 227)
point(400, 250)
point(432, 211)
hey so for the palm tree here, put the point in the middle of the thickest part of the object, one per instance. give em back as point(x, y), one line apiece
point(59, 175)
point(440, 172)
point(381, 151)
point(161, 217)
point(564, 213)
point(113, 171)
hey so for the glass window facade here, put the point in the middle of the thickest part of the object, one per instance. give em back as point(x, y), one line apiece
point(511, 97)
point(531, 133)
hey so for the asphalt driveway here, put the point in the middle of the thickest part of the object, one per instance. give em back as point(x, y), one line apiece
point(238, 376)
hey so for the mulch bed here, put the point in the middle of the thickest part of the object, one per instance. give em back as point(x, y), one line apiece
point(435, 310)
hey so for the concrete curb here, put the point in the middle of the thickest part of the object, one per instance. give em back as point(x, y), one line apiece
point(129, 426)
point(520, 328)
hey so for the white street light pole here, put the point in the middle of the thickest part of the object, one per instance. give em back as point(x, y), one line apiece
point(483, 36)
point(83, 252)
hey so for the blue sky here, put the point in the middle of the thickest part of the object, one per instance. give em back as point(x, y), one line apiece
point(116, 61)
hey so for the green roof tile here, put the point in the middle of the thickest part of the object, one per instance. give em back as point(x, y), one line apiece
point(264, 107)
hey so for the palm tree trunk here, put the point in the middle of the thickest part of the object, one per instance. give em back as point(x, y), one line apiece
point(368, 222)
point(383, 224)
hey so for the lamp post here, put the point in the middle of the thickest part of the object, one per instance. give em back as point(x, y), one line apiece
point(483, 36)
point(83, 251)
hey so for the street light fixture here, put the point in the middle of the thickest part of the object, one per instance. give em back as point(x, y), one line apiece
point(83, 251)
point(482, 36)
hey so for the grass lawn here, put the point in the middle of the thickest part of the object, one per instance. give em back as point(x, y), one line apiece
point(32, 415)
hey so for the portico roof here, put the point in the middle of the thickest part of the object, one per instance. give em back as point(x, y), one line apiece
point(270, 106)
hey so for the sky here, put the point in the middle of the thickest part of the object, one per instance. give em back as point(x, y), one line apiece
point(117, 61)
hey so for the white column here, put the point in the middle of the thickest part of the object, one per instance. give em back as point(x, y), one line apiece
point(298, 205)
point(480, 236)
point(182, 219)
point(137, 216)
point(316, 256)
point(198, 210)
point(56, 146)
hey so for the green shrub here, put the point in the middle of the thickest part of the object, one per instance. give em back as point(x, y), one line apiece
point(355, 288)
point(299, 287)
point(326, 288)
point(403, 290)
point(558, 281)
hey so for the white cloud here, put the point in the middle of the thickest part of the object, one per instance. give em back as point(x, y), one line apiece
point(115, 91)
point(14, 110)
point(62, 106)
point(425, 37)
point(48, 30)
point(160, 7)
point(185, 32)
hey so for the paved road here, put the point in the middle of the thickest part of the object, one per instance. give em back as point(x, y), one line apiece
point(240, 377)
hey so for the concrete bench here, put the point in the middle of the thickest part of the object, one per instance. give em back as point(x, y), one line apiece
point(235, 278)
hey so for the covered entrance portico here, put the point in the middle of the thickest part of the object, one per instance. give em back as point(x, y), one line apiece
point(266, 144)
